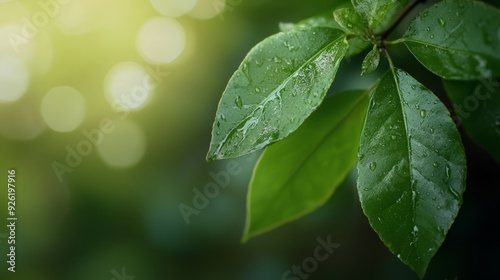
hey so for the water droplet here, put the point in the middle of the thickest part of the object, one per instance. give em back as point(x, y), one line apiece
point(413, 87)
point(422, 113)
point(257, 90)
point(223, 117)
point(426, 14)
point(373, 165)
point(218, 133)
point(238, 102)
point(432, 36)
point(448, 172)
point(277, 59)
point(244, 68)
point(309, 101)
point(217, 124)
point(425, 154)
point(393, 137)
point(428, 29)
point(294, 93)
point(417, 106)
point(431, 130)
point(435, 164)
point(349, 25)
point(442, 22)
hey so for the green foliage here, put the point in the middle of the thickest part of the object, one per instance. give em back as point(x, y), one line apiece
point(411, 169)
point(409, 154)
point(327, 144)
point(457, 40)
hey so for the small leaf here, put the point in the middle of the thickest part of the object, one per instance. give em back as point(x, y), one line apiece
point(320, 20)
point(411, 169)
point(299, 174)
point(477, 105)
point(457, 39)
point(356, 44)
point(349, 20)
point(371, 61)
point(378, 14)
point(278, 85)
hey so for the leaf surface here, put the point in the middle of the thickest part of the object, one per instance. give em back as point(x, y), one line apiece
point(411, 169)
point(278, 85)
point(299, 174)
point(378, 14)
point(457, 39)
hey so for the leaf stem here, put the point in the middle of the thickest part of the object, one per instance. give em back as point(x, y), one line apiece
point(398, 20)
point(391, 64)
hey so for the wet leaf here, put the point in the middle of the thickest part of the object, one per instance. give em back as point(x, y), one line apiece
point(378, 14)
point(278, 85)
point(356, 44)
point(371, 61)
point(349, 20)
point(457, 39)
point(299, 174)
point(477, 106)
point(411, 169)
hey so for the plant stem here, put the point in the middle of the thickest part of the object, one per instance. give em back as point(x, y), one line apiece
point(398, 20)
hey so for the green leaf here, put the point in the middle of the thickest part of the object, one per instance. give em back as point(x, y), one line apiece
point(349, 20)
point(457, 39)
point(278, 85)
point(411, 169)
point(299, 174)
point(371, 61)
point(356, 44)
point(320, 20)
point(477, 105)
point(378, 14)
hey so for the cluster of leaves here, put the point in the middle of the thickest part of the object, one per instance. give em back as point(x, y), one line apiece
point(410, 159)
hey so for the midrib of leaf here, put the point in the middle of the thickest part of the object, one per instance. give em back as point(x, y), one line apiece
point(408, 145)
point(273, 94)
point(348, 113)
point(403, 40)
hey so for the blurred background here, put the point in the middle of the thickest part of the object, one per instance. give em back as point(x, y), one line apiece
point(106, 109)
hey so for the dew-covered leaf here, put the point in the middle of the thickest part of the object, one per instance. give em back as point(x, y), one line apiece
point(371, 61)
point(349, 20)
point(411, 169)
point(477, 106)
point(299, 174)
point(378, 14)
point(356, 44)
point(457, 39)
point(278, 85)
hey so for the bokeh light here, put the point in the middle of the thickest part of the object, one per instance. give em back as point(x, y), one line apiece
point(173, 8)
point(207, 9)
point(63, 109)
point(14, 78)
point(161, 40)
point(128, 86)
point(75, 18)
point(124, 146)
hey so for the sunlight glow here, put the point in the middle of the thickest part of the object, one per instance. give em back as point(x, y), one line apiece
point(173, 8)
point(63, 109)
point(161, 40)
point(14, 78)
point(128, 86)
